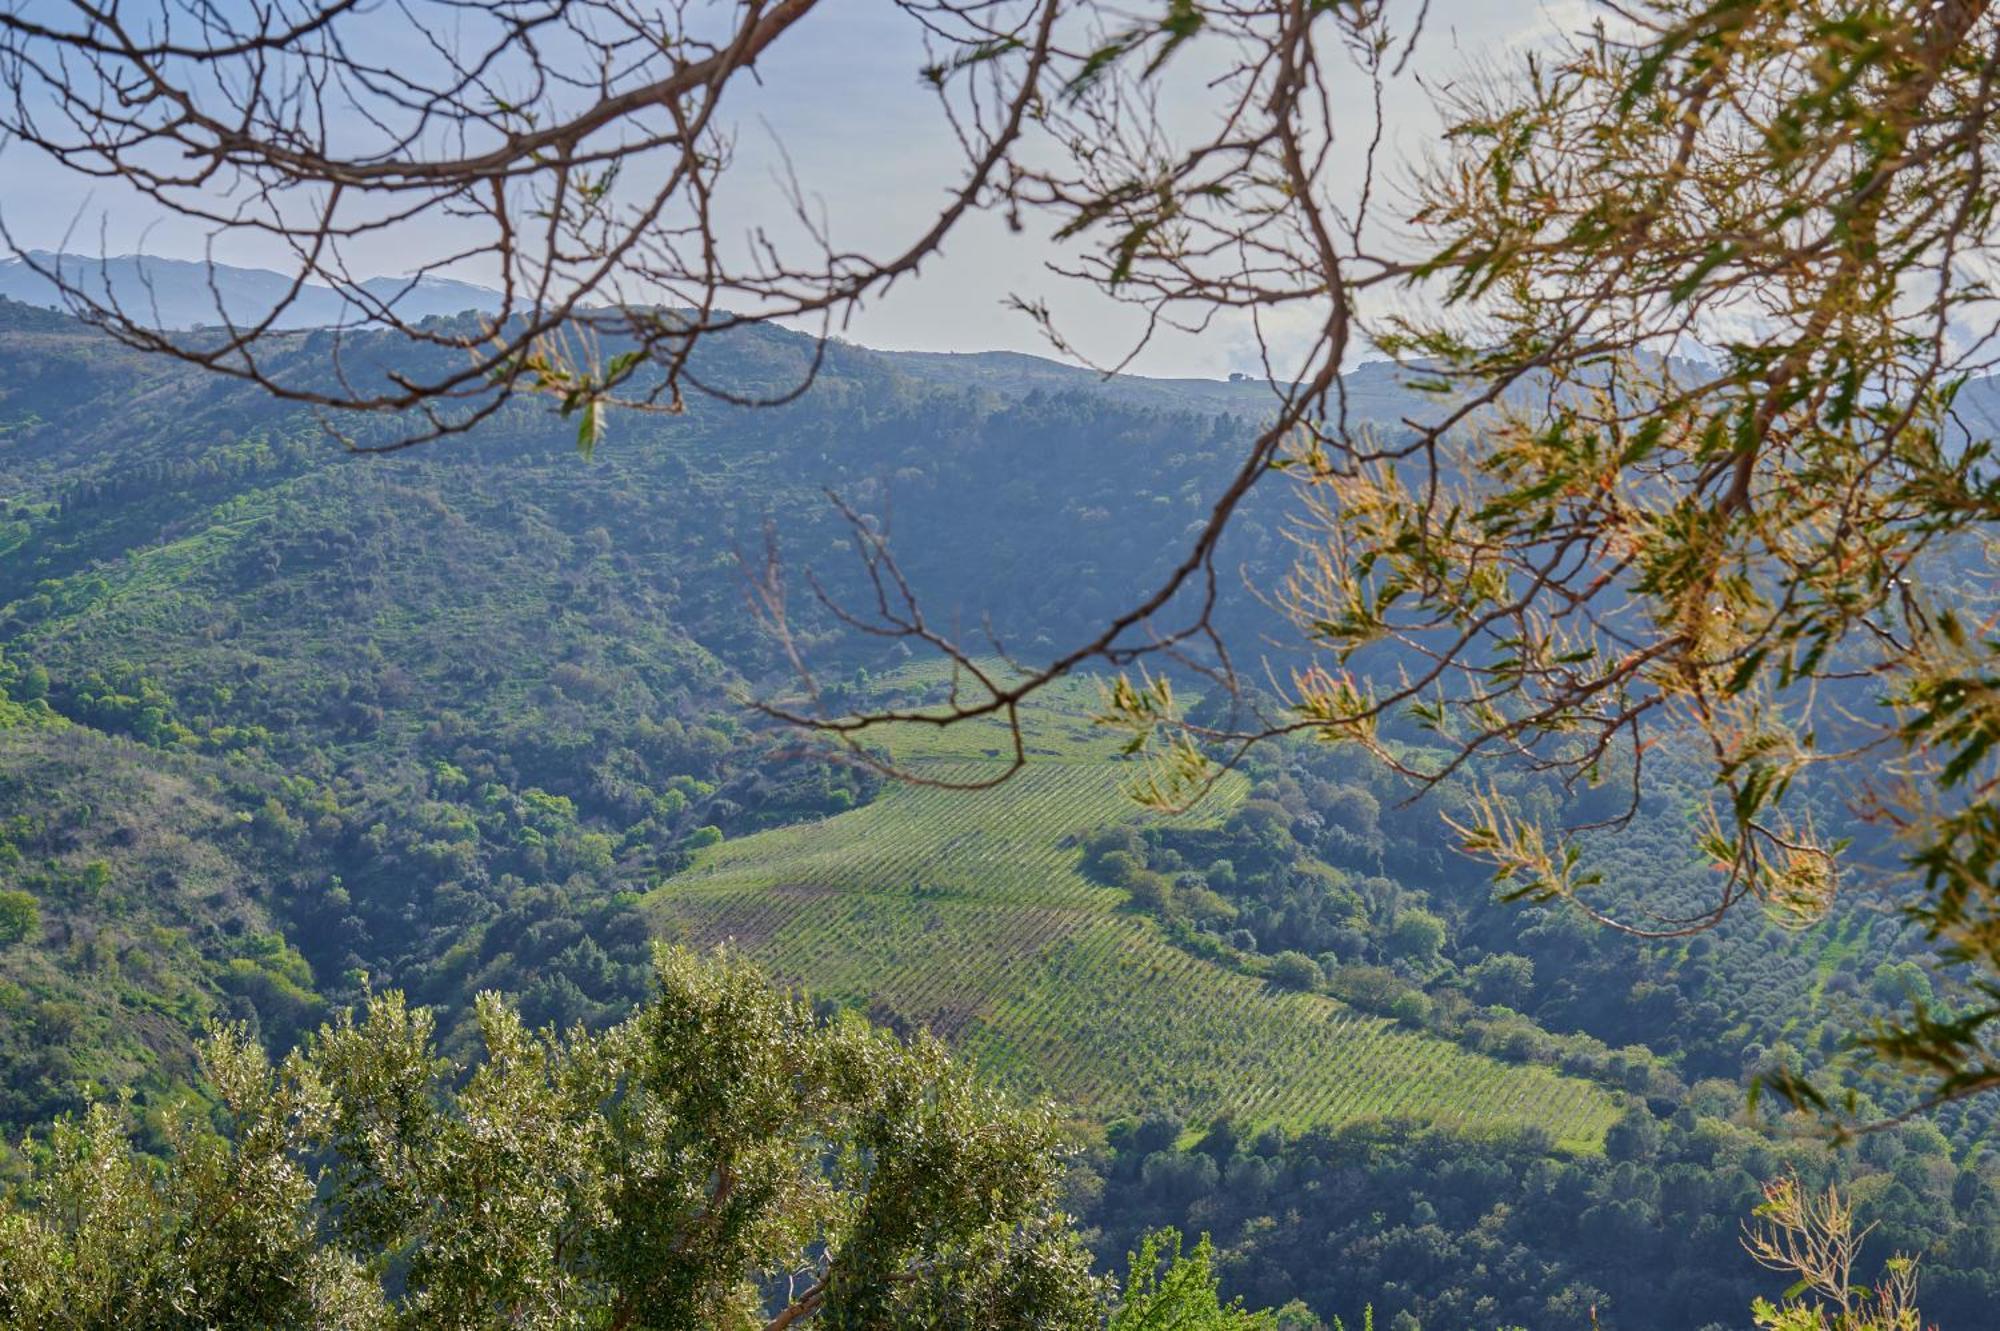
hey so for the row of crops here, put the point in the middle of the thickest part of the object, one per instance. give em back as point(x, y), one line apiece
point(1128, 1022)
point(1017, 841)
point(967, 914)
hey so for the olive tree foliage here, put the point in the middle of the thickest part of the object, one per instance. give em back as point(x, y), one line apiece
point(1591, 543)
point(722, 1160)
point(1711, 282)
point(1172, 1291)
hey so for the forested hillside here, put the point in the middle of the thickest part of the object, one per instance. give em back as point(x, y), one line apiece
point(281, 726)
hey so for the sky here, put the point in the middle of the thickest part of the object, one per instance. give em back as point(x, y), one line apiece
point(841, 92)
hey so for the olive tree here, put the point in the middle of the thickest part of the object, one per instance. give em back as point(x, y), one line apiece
point(724, 1159)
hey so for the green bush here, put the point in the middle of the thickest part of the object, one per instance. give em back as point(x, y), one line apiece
point(19, 917)
point(1294, 970)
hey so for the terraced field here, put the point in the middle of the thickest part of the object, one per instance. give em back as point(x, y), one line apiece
point(966, 913)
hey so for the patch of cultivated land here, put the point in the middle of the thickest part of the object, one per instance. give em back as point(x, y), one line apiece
point(967, 913)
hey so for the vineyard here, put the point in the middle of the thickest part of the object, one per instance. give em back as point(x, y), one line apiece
point(967, 914)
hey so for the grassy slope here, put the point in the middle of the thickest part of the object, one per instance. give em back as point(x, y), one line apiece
point(967, 913)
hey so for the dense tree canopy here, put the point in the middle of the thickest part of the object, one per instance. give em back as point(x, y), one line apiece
point(723, 1159)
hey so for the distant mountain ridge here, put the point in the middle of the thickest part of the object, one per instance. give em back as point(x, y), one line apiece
point(181, 293)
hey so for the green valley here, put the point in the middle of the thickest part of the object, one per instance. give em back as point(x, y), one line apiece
point(1432, 765)
point(283, 728)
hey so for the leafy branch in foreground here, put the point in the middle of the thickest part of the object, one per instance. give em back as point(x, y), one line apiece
point(1171, 1291)
point(1711, 478)
point(1814, 1237)
point(722, 1160)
